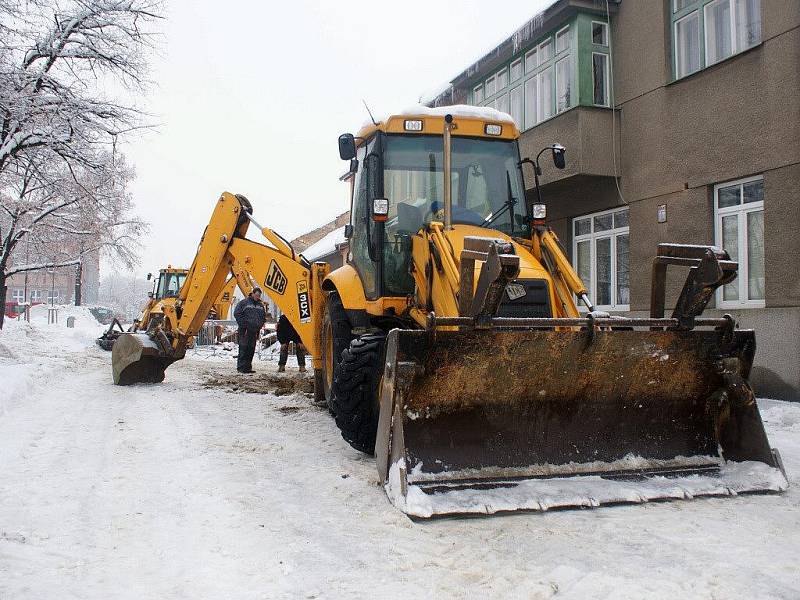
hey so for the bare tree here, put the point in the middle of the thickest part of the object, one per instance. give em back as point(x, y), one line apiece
point(61, 178)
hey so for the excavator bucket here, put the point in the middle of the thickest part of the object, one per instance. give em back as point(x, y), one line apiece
point(479, 421)
point(135, 358)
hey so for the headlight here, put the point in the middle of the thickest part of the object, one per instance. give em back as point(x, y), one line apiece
point(493, 129)
point(539, 211)
point(414, 125)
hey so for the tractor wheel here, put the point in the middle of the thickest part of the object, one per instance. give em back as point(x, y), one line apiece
point(335, 339)
point(355, 391)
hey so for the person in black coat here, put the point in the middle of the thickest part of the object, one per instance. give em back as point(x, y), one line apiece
point(286, 333)
point(250, 315)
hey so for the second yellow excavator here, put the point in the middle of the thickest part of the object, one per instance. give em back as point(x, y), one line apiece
point(451, 346)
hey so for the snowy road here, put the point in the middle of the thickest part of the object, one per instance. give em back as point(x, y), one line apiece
point(182, 491)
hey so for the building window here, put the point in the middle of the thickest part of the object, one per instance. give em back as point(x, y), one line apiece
point(530, 102)
point(477, 94)
point(531, 61)
point(545, 94)
point(516, 69)
point(18, 295)
point(52, 296)
point(502, 80)
point(599, 33)
point(545, 51)
point(517, 106)
point(706, 32)
point(36, 296)
point(739, 229)
point(562, 40)
point(563, 84)
point(687, 45)
point(490, 87)
point(600, 79)
point(601, 255)
point(502, 103)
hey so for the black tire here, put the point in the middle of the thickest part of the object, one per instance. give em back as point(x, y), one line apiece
point(355, 391)
point(335, 339)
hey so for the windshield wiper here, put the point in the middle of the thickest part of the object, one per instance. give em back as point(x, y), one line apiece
point(507, 205)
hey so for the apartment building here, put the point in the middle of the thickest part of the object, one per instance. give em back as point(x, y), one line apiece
point(681, 120)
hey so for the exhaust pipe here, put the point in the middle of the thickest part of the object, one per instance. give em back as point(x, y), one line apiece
point(446, 168)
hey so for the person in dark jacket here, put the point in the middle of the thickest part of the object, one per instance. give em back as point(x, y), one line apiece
point(250, 315)
point(286, 333)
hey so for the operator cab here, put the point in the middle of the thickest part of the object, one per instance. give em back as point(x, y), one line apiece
point(169, 284)
point(401, 160)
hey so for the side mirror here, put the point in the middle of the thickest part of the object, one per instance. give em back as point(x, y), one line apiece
point(149, 276)
point(558, 156)
point(348, 231)
point(347, 146)
point(149, 294)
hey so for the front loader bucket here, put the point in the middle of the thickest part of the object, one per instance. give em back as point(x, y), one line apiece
point(485, 421)
point(135, 358)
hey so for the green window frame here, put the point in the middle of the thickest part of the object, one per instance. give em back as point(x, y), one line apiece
point(707, 32)
point(551, 74)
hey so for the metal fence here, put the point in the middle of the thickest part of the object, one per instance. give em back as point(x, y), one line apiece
point(218, 338)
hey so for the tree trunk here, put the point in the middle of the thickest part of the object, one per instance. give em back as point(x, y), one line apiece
point(78, 277)
point(3, 291)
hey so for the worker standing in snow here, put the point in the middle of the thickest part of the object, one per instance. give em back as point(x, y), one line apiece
point(250, 315)
point(286, 334)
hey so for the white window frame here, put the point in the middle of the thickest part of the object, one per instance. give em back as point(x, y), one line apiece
point(18, 295)
point(592, 238)
point(607, 82)
point(531, 115)
point(731, 27)
point(742, 211)
point(560, 33)
point(36, 295)
point(605, 33)
point(477, 90)
point(53, 296)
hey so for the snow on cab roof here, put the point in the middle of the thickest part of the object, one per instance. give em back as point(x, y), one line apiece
point(485, 113)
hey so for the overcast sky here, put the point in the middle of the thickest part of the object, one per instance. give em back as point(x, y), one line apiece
point(252, 95)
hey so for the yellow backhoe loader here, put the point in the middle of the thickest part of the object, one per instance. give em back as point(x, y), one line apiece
point(450, 345)
point(165, 289)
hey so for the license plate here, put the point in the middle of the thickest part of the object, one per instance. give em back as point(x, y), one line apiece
point(515, 291)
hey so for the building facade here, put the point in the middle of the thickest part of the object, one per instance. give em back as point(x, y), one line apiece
point(57, 286)
point(681, 120)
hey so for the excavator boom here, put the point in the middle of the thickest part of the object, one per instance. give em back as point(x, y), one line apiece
point(286, 277)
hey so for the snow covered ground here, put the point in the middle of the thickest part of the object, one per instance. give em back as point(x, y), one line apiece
point(191, 490)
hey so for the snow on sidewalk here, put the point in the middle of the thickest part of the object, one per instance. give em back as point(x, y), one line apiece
point(182, 491)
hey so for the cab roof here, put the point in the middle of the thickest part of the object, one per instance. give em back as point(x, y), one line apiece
point(470, 121)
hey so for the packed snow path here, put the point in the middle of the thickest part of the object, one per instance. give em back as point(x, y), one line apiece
point(182, 491)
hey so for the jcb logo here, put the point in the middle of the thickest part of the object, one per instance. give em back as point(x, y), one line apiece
point(303, 305)
point(275, 280)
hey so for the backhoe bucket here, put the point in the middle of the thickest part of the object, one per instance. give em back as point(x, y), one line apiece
point(478, 421)
point(135, 358)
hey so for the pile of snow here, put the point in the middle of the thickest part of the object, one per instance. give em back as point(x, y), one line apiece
point(326, 246)
point(26, 349)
